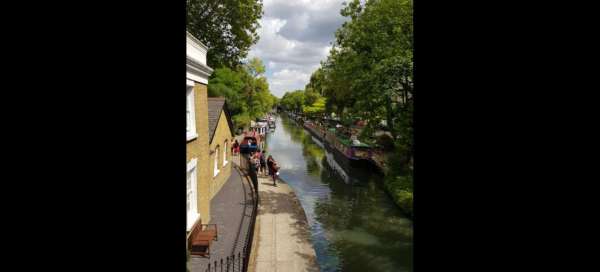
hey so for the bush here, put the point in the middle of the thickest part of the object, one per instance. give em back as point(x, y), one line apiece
point(386, 141)
point(401, 190)
point(404, 199)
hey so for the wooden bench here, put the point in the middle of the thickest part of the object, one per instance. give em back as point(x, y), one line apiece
point(201, 238)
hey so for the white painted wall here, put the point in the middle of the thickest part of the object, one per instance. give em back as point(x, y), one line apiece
point(196, 51)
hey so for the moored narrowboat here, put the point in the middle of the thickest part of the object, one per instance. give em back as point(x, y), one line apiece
point(249, 144)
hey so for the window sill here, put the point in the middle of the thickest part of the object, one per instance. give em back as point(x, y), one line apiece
point(191, 137)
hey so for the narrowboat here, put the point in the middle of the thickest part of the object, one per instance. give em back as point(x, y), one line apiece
point(260, 127)
point(348, 153)
point(355, 155)
point(249, 144)
point(271, 122)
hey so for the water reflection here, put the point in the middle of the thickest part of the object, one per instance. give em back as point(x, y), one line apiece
point(354, 224)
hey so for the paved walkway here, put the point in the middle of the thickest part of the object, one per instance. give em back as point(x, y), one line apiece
point(230, 209)
point(282, 241)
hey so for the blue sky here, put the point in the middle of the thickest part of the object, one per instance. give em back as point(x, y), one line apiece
point(295, 35)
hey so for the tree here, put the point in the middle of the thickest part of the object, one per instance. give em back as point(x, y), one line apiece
point(369, 74)
point(228, 83)
point(310, 96)
point(316, 82)
point(255, 67)
point(257, 88)
point(316, 108)
point(369, 70)
point(227, 27)
point(293, 101)
point(245, 89)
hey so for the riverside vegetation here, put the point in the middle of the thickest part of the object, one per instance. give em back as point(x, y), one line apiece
point(368, 75)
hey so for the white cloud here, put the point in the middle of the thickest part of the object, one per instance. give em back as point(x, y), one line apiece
point(289, 79)
point(294, 37)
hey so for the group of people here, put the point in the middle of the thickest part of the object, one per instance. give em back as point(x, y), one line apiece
point(259, 161)
point(260, 138)
point(263, 165)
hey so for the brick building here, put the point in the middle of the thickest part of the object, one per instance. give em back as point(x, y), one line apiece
point(208, 134)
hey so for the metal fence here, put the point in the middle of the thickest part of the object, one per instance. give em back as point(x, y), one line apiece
point(238, 261)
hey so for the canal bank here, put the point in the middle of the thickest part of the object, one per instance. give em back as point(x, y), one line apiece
point(353, 223)
point(283, 240)
point(398, 187)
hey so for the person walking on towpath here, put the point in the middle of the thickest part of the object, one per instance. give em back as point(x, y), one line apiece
point(273, 169)
point(253, 171)
point(235, 148)
point(256, 159)
point(263, 163)
point(259, 156)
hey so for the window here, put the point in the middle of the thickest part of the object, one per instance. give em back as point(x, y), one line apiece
point(191, 115)
point(216, 170)
point(225, 153)
point(192, 195)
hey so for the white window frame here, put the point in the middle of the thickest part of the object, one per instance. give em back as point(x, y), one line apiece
point(225, 154)
point(216, 168)
point(191, 118)
point(193, 214)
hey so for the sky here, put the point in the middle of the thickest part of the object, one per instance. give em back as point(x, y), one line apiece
point(295, 35)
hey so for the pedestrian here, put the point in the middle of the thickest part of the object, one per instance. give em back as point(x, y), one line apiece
point(263, 163)
point(275, 173)
point(270, 164)
point(259, 155)
point(235, 148)
point(256, 159)
point(273, 169)
point(253, 175)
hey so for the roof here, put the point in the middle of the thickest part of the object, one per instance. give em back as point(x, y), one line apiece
point(215, 106)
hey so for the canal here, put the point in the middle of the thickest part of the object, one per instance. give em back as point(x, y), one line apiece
point(355, 226)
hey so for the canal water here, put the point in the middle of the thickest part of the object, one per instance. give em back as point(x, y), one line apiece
point(355, 226)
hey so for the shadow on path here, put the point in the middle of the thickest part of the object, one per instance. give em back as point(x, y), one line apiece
point(289, 237)
point(229, 212)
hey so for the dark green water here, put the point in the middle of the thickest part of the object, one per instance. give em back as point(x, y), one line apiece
point(355, 226)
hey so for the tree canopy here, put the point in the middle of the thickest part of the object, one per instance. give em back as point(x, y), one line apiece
point(368, 75)
point(293, 101)
point(227, 27)
point(245, 89)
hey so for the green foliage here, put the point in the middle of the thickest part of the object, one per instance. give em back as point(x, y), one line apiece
point(370, 65)
point(368, 75)
point(227, 27)
point(255, 67)
point(246, 91)
point(228, 83)
point(306, 101)
point(310, 96)
point(293, 101)
point(400, 189)
point(316, 82)
point(318, 107)
point(398, 180)
point(385, 141)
